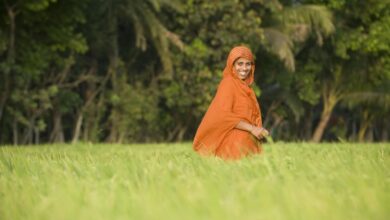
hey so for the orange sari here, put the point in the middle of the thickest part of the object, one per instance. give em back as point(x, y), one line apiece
point(234, 101)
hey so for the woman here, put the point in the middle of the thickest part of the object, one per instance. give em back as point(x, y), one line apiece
point(232, 127)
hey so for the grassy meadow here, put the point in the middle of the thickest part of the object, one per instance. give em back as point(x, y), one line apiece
point(169, 181)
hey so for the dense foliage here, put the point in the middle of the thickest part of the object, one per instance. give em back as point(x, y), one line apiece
point(145, 71)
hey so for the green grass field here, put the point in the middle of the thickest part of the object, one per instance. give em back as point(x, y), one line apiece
point(169, 181)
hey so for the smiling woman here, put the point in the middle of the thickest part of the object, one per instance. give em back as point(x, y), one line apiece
point(242, 67)
point(232, 126)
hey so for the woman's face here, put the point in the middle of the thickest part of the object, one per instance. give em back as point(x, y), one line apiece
point(242, 67)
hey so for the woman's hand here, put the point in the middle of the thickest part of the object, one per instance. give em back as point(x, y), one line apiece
point(259, 132)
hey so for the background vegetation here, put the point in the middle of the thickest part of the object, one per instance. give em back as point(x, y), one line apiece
point(145, 71)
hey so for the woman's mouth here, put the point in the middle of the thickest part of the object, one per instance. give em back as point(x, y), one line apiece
point(242, 73)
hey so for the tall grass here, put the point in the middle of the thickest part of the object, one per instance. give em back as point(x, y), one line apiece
point(169, 181)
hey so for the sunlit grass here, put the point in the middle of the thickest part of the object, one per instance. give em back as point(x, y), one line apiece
point(169, 181)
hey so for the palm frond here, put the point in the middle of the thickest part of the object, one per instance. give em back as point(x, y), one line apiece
point(174, 4)
point(305, 19)
point(148, 27)
point(375, 98)
point(280, 44)
point(140, 39)
point(295, 24)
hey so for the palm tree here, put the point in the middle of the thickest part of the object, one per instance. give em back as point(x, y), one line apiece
point(288, 26)
point(286, 29)
point(147, 25)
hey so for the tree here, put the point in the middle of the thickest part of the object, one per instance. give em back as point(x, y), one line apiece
point(355, 58)
point(35, 51)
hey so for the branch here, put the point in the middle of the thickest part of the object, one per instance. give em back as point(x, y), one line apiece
point(80, 80)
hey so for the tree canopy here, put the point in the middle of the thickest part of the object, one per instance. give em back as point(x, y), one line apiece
point(145, 71)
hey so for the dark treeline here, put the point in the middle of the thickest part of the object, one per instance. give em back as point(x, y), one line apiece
point(145, 71)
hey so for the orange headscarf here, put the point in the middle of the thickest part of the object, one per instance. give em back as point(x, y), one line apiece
point(235, 101)
point(236, 53)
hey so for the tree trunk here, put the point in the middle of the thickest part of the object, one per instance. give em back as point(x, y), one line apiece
point(15, 132)
point(365, 122)
point(29, 133)
point(173, 133)
point(77, 128)
point(113, 125)
point(181, 133)
point(330, 100)
point(36, 135)
point(94, 113)
point(370, 134)
point(307, 126)
point(121, 137)
point(319, 131)
point(87, 129)
point(385, 133)
point(4, 96)
point(89, 100)
point(57, 135)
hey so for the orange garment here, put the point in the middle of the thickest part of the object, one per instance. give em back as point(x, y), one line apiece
point(234, 101)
